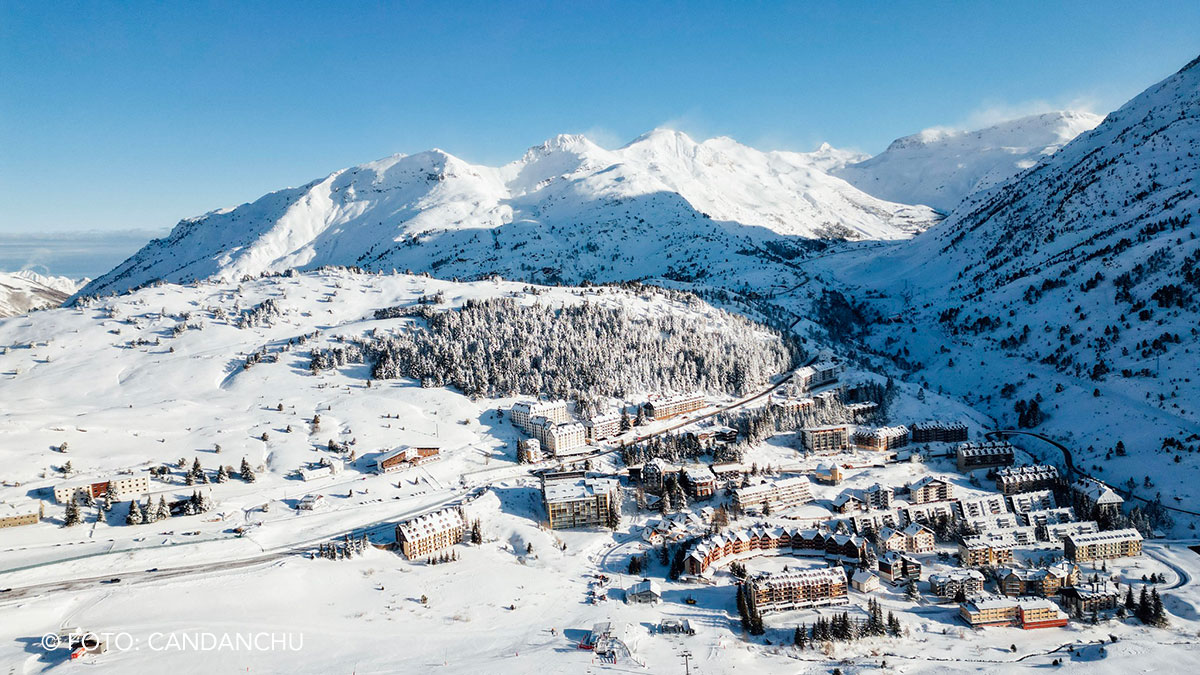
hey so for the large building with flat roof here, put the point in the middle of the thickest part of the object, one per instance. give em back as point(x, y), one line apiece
point(23, 512)
point(1103, 545)
point(578, 501)
point(777, 495)
point(123, 485)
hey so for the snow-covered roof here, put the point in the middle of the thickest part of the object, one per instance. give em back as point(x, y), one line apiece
point(1127, 534)
point(580, 488)
point(430, 524)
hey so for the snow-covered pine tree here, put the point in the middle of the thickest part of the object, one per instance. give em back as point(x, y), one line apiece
point(135, 514)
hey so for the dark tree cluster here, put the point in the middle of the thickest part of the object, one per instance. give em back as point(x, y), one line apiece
point(498, 347)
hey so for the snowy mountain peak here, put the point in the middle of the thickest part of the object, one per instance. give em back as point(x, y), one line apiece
point(25, 291)
point(941, 166)
point(567, 210)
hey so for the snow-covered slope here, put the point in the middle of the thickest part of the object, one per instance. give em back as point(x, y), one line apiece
point(567, 210)
point(939, 167)
point(25, 291)
point(1076, 284)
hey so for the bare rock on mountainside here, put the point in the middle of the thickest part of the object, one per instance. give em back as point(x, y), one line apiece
point(22, 292)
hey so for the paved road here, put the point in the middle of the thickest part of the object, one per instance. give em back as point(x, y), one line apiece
point(1182, 577)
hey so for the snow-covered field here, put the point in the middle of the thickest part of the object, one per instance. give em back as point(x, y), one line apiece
point(125, 390)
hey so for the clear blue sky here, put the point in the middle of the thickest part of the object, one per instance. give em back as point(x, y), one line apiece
point(134, 115)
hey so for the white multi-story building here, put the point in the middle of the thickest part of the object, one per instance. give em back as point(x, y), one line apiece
point(523, 412)
point(529, 451)
point(780, 494)
point(816, 375)
point(118, 487)
point(1038, 500)
point(663, 407)
point(882, 438)
point(431, 532)
point(878, 496)
point(576, 500)
point(23, 512)
point(558, 439)
point(603, 426)
point(797, 589)
point(982, 507)
point(827, 439)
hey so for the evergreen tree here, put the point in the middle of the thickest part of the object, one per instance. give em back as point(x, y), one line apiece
point(149, 512)
point(613, 518)
point(800, 637)
point(164, 511)
point(135, 513)
point(246, 472)
point(893, 625)
point(1145, 611)
point(1158, 615)
point(910, 591)
point(222, 474)
point(743, 607)
point(1130, 603)
point(72, 516)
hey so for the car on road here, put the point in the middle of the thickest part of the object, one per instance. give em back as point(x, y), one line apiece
point(114, 580)
point(152, 569)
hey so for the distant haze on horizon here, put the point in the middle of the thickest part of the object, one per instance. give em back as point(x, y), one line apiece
point(120, 117)
point(71, 254)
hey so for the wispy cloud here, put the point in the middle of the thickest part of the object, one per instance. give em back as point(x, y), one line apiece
point(990, 112)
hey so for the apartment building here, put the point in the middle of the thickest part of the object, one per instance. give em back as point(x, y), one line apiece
point(666, 407)
point(431, 532)
point(1103, 545)
point(918, 538)
point(1043, 581)
point(1090, 596)
point(930, 489)
point(879, 496)
point(1060, 531)
point(573, 500)
point(603, 426)
point(1095, 500)
point(939, 432)
point(118, 487)
point(816, 375)
point(775, 495)
point(826, 440)
point(982, 507)
point(949, 584)
point(798, 589)
point(529, 451)
point(523, 412)
point(1027, 613)
point(876, 520)
point(979, 552)
point(22, 512)
point(881, 438)
point(700, 482)
point(1012, 480)
point(405, 457)
point(560, 439)
point(1037, 500)
point(897, 567)
point(972, 456)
